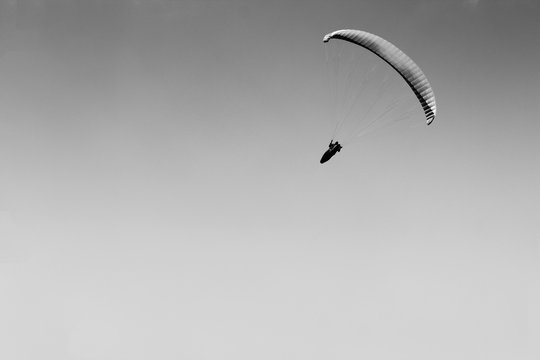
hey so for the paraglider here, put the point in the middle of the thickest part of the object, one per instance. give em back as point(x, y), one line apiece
point(399, 61)
point(333, 148)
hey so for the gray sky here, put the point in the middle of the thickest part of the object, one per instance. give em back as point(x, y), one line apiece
point(161, 194)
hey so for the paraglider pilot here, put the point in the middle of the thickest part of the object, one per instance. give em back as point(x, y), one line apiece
point(333, 148)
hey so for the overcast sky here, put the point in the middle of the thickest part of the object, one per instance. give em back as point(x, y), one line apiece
point(161, 195)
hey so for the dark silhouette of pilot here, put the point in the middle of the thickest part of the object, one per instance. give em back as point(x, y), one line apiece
point(333, 148)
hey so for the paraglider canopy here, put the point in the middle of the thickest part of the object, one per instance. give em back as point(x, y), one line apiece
point(398, 60)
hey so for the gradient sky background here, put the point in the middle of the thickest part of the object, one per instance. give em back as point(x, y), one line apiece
point(161, 195)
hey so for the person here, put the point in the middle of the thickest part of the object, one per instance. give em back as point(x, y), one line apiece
point(333, 148)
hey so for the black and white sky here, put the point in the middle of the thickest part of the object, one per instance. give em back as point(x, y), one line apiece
point(161, 195)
